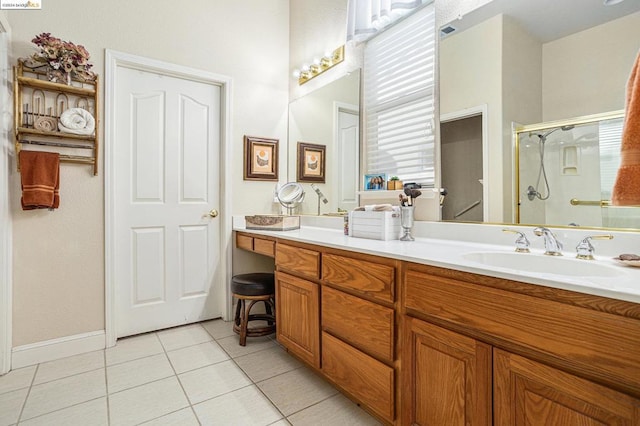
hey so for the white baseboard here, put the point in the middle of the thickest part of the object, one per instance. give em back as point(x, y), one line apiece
point(49, 350)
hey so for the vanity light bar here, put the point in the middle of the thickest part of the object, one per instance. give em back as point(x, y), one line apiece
point(319, 66)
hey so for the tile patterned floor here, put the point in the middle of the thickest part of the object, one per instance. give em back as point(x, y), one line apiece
point(191, 375)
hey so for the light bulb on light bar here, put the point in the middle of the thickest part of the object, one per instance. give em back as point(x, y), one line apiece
point(319, 65)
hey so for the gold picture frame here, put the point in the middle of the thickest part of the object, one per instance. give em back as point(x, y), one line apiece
point(260, 158)
point(311, 162)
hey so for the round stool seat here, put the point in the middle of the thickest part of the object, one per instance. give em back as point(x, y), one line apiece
point(255, 284)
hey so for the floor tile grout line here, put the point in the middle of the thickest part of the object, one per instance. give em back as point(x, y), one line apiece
point(133, 359)
point(61, 409)
point(26, 398)
point(184, 391)
point(253, 383)
point(70, 375)
point(106, 384)
point(314, 404)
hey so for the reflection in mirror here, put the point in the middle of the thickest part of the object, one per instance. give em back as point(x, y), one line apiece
point(290, 195)
point(330, 116)
point(566, 170)
point(530, 62)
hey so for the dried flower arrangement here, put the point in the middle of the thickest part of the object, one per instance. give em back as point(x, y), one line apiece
point(65, 59)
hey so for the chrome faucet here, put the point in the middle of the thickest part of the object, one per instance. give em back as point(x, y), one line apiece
point(552, 246)
point(585, 250)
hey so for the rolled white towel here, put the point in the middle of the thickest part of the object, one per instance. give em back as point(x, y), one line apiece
point(77, 121)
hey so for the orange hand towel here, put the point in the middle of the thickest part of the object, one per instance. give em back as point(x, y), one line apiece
point(626, 189)
point(40, 177)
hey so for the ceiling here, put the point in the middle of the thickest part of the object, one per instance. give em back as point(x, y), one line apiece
point(549, 20)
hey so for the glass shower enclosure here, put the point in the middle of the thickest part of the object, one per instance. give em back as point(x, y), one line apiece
point(565, 172)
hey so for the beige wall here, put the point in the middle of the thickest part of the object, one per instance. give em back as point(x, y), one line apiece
point(58, 256)
point(586, 73)
point(315, 28)
point(471, 75)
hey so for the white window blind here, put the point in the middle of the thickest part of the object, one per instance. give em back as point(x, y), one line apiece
point(610, 137)
point(399, 99)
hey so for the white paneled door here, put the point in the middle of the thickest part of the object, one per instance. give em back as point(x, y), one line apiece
point(347, 155)
point(167, 192)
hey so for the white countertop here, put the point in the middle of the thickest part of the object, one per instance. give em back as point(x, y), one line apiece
point(445, 253)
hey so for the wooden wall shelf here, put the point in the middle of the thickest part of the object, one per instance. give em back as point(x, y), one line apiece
point(35, 97)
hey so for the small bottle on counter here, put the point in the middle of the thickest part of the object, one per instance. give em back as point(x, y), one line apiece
point(346, 224)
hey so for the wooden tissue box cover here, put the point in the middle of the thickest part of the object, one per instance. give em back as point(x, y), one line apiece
point(375, 225)
point(265, 222)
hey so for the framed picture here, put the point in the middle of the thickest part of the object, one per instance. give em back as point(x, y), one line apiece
point(260, 158)
point(375, 182)
point(311, 162)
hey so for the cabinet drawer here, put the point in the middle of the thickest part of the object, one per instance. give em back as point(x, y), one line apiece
point(372, 279)
point(298, 260)
point(265, 247)
point(363, 324)
point(365, 378)
point(244, 242)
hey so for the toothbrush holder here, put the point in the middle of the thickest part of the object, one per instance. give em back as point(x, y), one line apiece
point(406, 221)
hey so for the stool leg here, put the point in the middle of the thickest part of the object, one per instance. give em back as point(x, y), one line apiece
point(269, 307)
point(236, 318)
point(244, 323)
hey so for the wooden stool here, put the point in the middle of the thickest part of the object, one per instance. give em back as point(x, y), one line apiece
point(256, 287)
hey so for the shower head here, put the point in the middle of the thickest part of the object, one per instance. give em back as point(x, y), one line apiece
point(543, 137)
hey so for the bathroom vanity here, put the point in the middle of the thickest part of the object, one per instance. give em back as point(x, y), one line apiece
point(416, 334)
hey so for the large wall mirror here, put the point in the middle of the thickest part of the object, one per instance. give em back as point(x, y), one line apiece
point(520, 63)
point(329, 117)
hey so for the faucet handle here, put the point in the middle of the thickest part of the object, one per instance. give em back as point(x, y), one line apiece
point(522, 243)
point(585, 249)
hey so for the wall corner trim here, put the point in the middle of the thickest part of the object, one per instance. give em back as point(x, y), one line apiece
point(49, 350)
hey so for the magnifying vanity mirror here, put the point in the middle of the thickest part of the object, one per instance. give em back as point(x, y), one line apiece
point(290, 195)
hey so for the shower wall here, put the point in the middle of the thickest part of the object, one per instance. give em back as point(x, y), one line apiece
point(572, 164)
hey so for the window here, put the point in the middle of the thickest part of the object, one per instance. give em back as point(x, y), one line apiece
point(399, 99)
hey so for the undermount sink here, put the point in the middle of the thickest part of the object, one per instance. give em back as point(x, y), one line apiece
point(535, 263)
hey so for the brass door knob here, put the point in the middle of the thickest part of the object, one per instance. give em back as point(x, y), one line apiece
point(213, 213)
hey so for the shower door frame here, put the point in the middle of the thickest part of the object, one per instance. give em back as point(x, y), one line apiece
point(518, 129)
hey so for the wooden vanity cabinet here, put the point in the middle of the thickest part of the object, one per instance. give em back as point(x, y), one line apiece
point(261, 245)
point(485, 350)
point(358, 328)
point(422, 345)
point(298, 301)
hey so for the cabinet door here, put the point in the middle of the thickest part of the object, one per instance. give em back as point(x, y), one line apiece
point(298, 317)
point(530, 393)
point(446, 377)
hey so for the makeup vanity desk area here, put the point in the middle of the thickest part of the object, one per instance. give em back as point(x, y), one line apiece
point(417, 337)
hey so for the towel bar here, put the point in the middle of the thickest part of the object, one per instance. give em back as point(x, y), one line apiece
point(58, 144)
point(601, 203)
